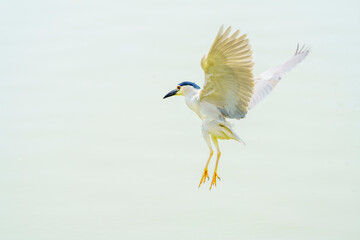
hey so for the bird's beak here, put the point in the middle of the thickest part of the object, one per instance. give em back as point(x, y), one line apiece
point(172, 93)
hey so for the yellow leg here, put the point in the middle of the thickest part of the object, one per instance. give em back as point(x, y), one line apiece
point(215, 175)
point(205, 174)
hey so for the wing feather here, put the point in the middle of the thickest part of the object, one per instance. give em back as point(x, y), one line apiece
point(266, 82)
point(229, 79)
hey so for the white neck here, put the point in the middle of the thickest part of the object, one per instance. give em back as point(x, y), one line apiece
point(192, 99)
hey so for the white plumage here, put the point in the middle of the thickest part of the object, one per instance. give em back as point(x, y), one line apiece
point(266, 81)
point(230, 89)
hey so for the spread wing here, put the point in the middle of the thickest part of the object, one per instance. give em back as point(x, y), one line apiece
point(229, 79)
point(266, 82)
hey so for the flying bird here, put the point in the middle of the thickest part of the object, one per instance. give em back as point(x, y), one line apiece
point(230, 89)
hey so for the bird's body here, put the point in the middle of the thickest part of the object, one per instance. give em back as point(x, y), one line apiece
point(214, 122)
point(230, 89)
point(204, 110)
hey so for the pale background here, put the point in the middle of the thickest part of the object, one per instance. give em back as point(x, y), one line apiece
point(90, 150)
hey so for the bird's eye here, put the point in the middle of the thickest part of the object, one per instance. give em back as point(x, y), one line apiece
point(178, 87)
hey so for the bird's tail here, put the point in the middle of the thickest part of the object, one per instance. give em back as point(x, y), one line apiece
point(227, 132)
point(237, 138)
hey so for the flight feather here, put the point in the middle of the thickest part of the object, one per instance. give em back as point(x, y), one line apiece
point(229, 81)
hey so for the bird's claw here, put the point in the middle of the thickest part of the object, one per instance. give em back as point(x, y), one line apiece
point(204, 176)
point(213, 181)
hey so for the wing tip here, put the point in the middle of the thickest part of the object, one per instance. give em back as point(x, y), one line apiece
point(304, 49)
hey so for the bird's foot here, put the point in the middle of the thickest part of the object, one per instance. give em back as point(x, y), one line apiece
point(204, 176)
point(213, 181)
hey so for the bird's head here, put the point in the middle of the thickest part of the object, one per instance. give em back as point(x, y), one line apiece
point(183, 89)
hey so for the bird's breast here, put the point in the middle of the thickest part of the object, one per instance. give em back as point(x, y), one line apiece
point(204, 110)
point(210, 111)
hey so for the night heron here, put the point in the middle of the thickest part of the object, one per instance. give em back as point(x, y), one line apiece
point(230, 89)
